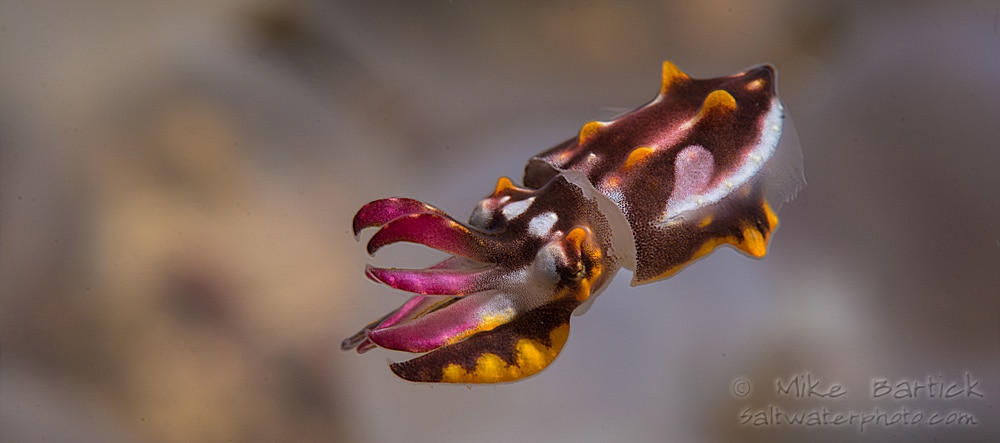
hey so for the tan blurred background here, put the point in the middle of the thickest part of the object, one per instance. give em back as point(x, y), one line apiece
point(177, 181)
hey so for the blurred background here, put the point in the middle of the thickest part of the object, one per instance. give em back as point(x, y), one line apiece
point(177, 181)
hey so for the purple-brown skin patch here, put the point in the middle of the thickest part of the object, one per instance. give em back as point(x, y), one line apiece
point(705, 163)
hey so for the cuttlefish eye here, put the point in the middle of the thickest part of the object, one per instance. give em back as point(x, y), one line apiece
point(564, 261)
point(707, 162)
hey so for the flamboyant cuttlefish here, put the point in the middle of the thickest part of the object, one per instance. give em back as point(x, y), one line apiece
point(705, 163)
